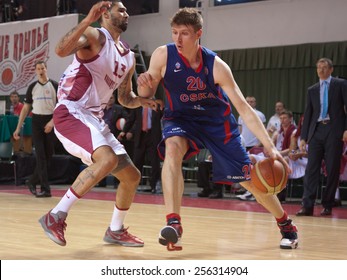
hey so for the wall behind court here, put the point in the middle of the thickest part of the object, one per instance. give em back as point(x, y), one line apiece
point(249, 25)
point(297, 29)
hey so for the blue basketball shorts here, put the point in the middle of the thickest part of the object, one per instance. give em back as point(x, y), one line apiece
point(230, 162)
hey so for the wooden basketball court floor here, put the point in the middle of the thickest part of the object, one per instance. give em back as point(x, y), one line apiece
point(225, 229)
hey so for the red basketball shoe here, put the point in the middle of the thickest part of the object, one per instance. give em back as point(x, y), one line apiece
point(54, 226)
point(122, 237)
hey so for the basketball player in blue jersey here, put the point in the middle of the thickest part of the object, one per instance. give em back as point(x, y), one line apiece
point(198, 86)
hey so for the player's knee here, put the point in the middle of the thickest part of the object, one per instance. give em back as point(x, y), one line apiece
point(132, 179)
point(135, 176)
point(109, 162)
point(175, 150)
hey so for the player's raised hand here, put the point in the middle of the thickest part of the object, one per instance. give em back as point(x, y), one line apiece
point(97, 10)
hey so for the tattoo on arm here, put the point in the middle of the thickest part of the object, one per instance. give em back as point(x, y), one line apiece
point(126, 96)
point(68, 42)
point(62, 43)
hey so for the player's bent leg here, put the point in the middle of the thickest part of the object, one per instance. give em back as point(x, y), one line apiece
point(272, 204)
point(269, 202)
point(104, 161)
point(129, 178)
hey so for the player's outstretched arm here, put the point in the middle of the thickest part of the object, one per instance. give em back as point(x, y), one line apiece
point(224, 77)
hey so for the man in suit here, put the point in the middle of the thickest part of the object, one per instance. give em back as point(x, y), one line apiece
point(146, 126)
point(324, 130)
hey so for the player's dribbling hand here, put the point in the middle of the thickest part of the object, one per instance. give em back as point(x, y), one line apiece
point(275, 154)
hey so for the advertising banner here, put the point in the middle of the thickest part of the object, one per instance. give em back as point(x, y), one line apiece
point(23, 43)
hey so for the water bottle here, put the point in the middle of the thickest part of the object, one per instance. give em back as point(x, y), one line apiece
point(11, 110)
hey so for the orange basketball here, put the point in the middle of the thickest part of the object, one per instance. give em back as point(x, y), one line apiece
point(269, 176)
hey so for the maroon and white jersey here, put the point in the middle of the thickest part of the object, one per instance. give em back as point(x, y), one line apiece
point(89, 84)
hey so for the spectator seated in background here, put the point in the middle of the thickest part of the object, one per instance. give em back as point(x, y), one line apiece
point(24, 143)
point(297, 159)
point(274, 123)
point(16, 105)
point(282, 140)
point(286, 141)
point(249, 138)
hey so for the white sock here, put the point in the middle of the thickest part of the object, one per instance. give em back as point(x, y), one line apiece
point(118, 218)
point(66, 202)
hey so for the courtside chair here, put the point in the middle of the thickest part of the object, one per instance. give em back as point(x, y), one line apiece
point(6, 154)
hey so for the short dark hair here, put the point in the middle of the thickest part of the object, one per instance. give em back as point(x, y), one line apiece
point(113, 3)
point(287, 112)
point(40, 62)
point(326, 60)
point(14, 93)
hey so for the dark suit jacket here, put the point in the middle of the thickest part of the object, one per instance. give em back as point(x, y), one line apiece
point(134, 125)
point(337, 101)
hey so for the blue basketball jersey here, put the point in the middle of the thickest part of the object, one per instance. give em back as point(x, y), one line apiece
point(199, 110)
point(197, 98)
